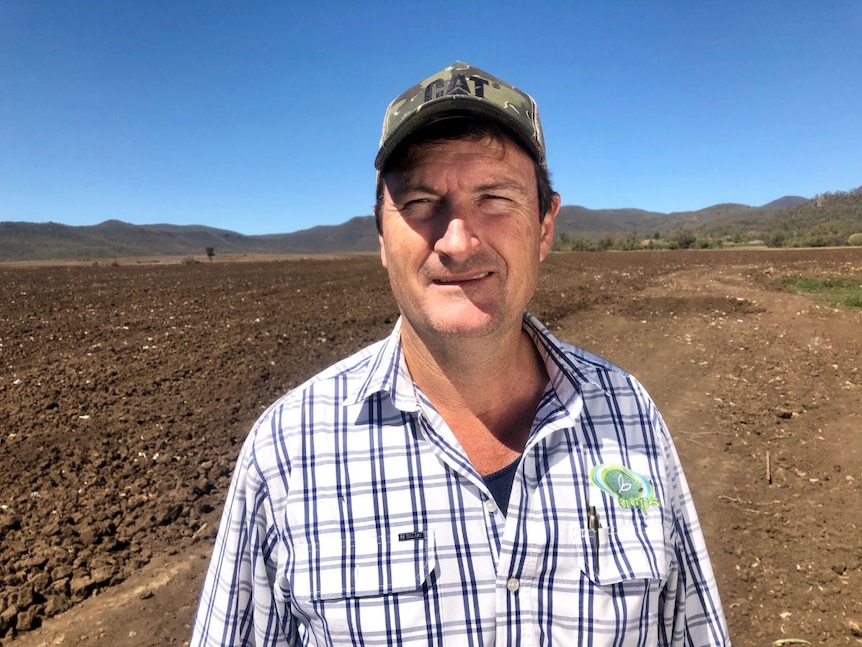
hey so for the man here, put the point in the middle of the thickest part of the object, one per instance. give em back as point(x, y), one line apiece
point(469, 480)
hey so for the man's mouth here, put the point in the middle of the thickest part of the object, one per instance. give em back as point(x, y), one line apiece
point(462, 279)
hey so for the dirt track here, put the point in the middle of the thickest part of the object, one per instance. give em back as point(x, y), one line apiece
point(126, 390)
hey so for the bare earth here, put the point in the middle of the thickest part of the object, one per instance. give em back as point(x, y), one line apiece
point(125, 391)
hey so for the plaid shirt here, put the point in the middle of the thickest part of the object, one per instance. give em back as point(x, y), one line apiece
point(355, 518)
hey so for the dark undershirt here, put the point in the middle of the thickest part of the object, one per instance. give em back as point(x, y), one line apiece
point(500, 484)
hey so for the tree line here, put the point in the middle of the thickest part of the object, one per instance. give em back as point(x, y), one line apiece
point(829, 220)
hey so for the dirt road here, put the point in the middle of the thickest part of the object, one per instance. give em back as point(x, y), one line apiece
point(126, 389)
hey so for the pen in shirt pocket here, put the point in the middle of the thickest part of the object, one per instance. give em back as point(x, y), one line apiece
point(593, 525)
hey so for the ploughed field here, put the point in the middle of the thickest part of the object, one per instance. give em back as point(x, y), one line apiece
point(126, 390)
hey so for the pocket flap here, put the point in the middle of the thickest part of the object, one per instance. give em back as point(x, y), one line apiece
point(367, 565)
point(627, 551)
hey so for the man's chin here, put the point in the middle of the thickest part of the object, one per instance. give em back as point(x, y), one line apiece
point(473, 326)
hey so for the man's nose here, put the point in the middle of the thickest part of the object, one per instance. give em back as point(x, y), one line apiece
point(458, 239)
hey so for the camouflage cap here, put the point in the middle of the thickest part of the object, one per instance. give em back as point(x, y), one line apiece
point(462, 90)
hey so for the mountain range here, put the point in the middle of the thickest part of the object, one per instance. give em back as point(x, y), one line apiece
point(21, 241)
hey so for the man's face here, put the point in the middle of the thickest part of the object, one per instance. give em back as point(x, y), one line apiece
point(462, 239)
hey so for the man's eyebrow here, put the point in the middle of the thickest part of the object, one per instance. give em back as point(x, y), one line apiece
point(415, 186)
point(511, 185)
point(406, 186)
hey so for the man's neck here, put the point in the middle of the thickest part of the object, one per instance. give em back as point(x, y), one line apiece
point(486, 390)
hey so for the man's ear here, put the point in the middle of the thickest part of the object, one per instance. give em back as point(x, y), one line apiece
point(546, 236)
point(380, 240)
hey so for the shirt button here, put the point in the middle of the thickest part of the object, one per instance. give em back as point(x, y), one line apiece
point(490, 506)
point(513, 584)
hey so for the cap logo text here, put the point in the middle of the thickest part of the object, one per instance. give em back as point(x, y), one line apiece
point(458, 84)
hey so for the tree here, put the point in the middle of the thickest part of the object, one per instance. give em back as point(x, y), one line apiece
point(606, 242)
point(563, 242)
point(683, 238)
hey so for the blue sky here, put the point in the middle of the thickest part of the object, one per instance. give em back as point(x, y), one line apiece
point(264, 117)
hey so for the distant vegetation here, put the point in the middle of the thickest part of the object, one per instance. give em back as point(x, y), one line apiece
point(828, 220)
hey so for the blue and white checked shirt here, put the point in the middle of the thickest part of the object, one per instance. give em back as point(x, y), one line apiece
point(355, 518)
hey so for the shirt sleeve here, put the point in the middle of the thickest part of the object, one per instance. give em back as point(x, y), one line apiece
point(240, 604)
point(693, 614)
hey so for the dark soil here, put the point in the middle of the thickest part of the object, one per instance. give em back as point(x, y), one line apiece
point(126, 390)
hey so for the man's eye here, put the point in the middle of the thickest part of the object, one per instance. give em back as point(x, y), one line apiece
point(496, 202)
point(417, 208)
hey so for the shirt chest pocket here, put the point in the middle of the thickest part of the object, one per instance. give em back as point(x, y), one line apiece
point(363, 565)
point(621, 573)
point(627, 552)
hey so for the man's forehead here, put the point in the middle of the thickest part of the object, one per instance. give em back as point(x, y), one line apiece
point(475, 167)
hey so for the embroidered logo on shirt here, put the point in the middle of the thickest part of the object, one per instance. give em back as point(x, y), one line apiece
point(630, 489)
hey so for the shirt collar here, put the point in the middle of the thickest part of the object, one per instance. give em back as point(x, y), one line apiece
point(387, 373)
point(569, 368)
point(387, 370)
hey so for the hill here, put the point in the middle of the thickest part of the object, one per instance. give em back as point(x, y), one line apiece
point(829, 219)
point(24, 241)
